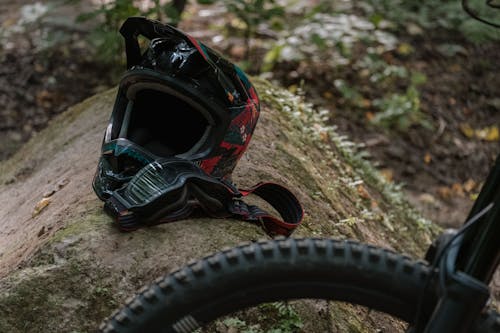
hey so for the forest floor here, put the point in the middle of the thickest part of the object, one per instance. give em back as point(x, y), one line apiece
point(441, 162)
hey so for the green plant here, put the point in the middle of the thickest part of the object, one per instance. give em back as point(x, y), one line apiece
point(288, 319)
point(241, 325)
point(277, 317)
point(333, 39)
point(349, 93)
point(400, 111)
point(251, 13)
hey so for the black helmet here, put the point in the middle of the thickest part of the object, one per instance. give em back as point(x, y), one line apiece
point(177, 99)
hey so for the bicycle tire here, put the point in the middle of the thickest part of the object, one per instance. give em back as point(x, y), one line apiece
point(244, 276)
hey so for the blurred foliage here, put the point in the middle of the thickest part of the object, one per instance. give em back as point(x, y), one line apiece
point(251, 14)
point(110, 15)
point(415, 15)
point(347, 40)
point(329, 39)
point(400, 111)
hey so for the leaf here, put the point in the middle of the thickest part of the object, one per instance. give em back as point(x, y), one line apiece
point(469, 185)
point(418, 78)
point(327, 95)
point(41, 205)
point(271, 58)
point(490, 133)
point(388, 174)
point(405, 49)
point(458, 189)
point(363, 193)
point(467, 130)
point(427, 158)
point(444, 192)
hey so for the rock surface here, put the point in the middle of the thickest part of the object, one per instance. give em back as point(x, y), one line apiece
point(64, 266)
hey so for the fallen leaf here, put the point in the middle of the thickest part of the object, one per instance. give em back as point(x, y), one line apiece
point(458, 189)
point(369, 115)
point(467, 130)
point(444, 192)
point(293, 88)
point(427, 158)
point(363, 193)
point(427, 199)
point(327, 95)
point(492, 133)
point(405, 49)
point(469, 185)
point(323, 135)
point(365, 103)
point(41, 205)
point(388, 174)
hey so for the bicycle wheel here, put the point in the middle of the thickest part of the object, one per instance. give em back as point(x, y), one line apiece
point(268, 271)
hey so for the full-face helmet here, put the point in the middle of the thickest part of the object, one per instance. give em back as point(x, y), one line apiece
point(178, 99)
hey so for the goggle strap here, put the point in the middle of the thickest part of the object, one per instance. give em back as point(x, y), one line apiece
point(281, 199)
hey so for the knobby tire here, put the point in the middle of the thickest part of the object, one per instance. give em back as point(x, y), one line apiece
point(277, 270)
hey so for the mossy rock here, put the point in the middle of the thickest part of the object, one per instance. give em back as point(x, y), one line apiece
point(66, 267)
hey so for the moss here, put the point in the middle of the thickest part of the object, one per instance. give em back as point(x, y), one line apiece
point(307, 128)
point(56, 298)
point(94, 219)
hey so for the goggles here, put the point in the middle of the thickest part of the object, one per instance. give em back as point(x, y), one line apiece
point(121, 159)
point(167, 190)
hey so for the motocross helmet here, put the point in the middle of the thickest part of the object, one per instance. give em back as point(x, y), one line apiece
point(178, 99)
